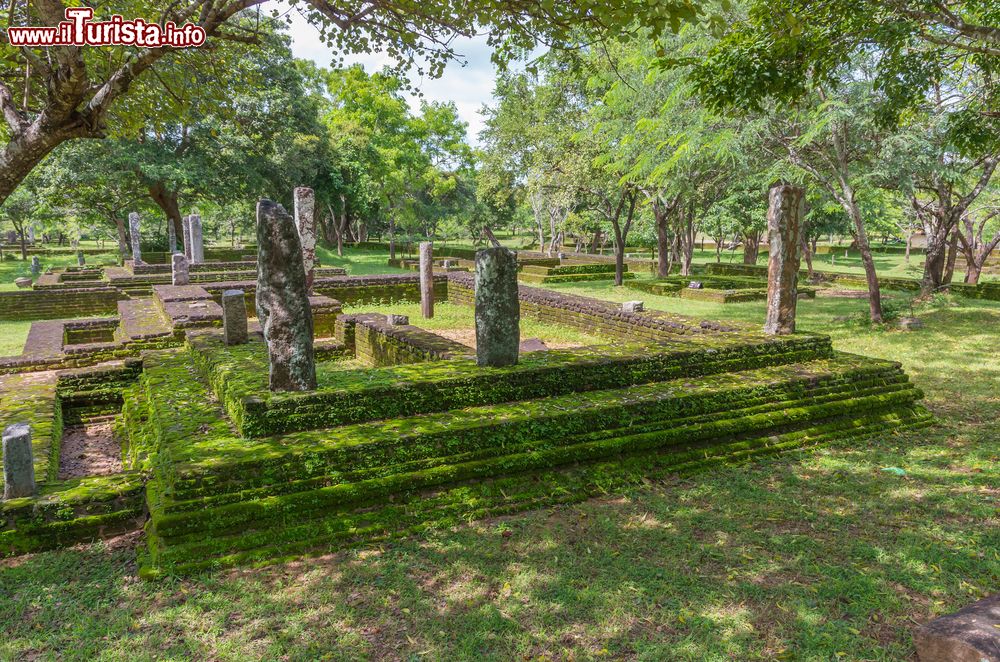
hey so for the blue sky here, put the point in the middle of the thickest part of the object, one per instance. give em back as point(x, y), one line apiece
point(469, 86)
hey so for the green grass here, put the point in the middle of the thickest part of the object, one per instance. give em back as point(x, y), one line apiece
point(818, 555)
point(358, 262)
point(12, 337)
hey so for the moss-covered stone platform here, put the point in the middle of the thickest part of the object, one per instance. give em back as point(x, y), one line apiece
point(405, 431)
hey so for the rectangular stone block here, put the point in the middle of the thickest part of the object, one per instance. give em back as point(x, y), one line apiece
point(180, 273)
point(234, 317)
point(18, 462)
point(497, 307)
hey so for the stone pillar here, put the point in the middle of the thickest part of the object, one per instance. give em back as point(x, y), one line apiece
point(784, 214)
point(31, 235)
point(234, 316)
point(18, 462)
point(36, 266)
point(197, 242)
point(427, 279)
point(171, 237)
point(283, 301)
point(180, 273)
point(305, 223)
point(80, 259)
point(498, 310)
point(186, 229)
point(135, 236)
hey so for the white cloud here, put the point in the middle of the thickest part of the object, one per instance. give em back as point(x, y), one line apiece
point(467, 82)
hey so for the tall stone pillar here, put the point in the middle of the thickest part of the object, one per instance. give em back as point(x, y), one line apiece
point(305, 223)
point(234, 317)
point(36, 266)
point(18, 462)
point(186, 229)
point(784, 214)
point(427, 279)
point(80, 259)
point(283, 301)
point(180, 273)
point(197, 241)
point(498, 310)
point(171, 237)
point(135, 236)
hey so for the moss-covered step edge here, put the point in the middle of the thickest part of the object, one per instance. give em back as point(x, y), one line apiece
point(72, 511)
point(664, 432)
point(531, 457)
point(420, 510)
point(570, 277)
point(237, 377)
point(207, 464)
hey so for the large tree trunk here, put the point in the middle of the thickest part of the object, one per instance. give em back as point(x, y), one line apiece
point(949, 270)
point(751, 247)
point(166, 200)
point(122, 238)
point(25, 151)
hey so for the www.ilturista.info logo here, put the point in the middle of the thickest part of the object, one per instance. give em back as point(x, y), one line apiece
point(79, 30)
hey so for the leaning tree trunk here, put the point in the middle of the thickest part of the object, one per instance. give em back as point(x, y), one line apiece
point(871, 276)
point(949, 269)
point(166, 200)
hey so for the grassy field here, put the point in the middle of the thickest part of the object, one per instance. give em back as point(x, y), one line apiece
point(831, 553)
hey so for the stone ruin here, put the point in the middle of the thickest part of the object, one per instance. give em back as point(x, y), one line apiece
point(784, 214)
point(498, 312)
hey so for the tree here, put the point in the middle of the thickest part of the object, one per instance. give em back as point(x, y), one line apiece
point(51, 95)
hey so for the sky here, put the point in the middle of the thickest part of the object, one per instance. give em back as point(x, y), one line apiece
point(469, 86)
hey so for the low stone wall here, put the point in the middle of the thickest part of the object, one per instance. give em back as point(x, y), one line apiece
point(380, 344)
point(59, 303)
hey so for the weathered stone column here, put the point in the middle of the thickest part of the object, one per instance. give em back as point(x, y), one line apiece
point(36, 266)
point(135, 237)
point(283, 301)
point(498, 310)
point(427, 279)
point(197, 241)
point(180, 273)
point(18, 462)
point(784, 214)
point(234, 316)
point(80, 259)
point(186, 229)
point(305, 223)
point(171, 236)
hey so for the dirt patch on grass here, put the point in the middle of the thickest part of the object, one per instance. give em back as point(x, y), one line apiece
point(89, 450)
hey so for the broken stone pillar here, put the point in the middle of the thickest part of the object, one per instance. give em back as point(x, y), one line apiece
point(36, 266)
point(305, 223)
point(18, 462)
point(283, 301)
point(80, 259)
point(969, 635)
point(498, 310)
point(633, 307)
point(427, 279)
point(171, 237)
point(133, 231)
point(180, 273)
point(186, 229)
point(784, 214)
point(197, 242)
point(234, 317)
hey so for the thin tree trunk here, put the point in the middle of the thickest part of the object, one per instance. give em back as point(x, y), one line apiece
point(949, 270)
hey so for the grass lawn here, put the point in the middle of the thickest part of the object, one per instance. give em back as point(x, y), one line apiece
point(816, 555)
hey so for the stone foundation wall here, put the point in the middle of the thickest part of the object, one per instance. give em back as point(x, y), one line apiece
point(59, 304)
point(379, 344)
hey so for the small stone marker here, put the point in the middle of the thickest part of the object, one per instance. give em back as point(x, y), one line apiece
point(784, 215)
point(305, 222)
point(283, 301)
point(633, 307)
point(18, 463)
point(135, 237)
point(234, 317)
point(910, 323)
point(397, 320)
point(696, 285)
point(186, 229)
point(498, 309)
point(80, 259)
point(561, 256)
point(180, 273)
point(197, 243)
point(427, 279)
point(24, 282)
point(36, 266)
point(968, 635)
point(171, 237)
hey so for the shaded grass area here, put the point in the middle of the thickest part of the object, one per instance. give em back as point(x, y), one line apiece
point(815, 555)
point(12, 337)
